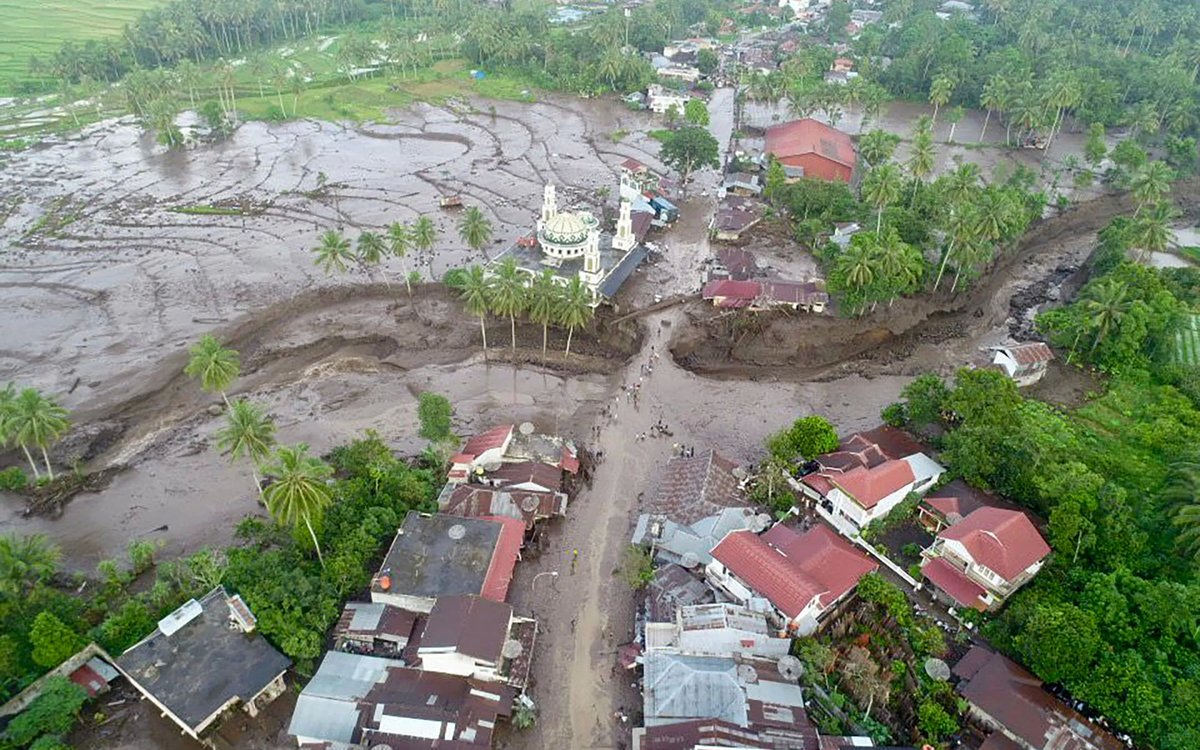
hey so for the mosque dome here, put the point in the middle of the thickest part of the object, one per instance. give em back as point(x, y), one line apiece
point(567, 228)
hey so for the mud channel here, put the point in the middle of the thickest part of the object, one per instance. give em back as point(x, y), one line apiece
point(104, 286)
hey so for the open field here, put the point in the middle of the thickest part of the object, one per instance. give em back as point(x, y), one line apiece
point(38, 27)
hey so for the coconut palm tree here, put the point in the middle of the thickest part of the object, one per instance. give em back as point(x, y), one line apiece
point(962, 227)
point(1187, 519)
point(213, 364)
point(857, 264)
point(971, 254)
point(8, 401)
point(475, 229)
point(333, 252)
point(881, 188)
point(962, 183)
point(940, 92)
point(900, 264)
point(877, 146)
point(399, 239)
point(545, 295)
point(509, 295)
point(299, 494)
point(37, 421)
point(25, 560)
point(371, 250)
point(994, 98)
point(575, 308)
point(476, 293)
point(1150, 183)
point(1152, 232)
point(248, 433)
point(424, 235)
point(1105, 306)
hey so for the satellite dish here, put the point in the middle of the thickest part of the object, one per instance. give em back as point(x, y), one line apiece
point(747, 673)
point(689, 560)
point(457, 531)
point(937, 669)
point(791, 668)
point(530, 503)
point(526, 428)
point(512, 649)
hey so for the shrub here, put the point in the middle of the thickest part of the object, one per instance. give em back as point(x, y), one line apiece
point(126, 626)
point(141, 555)
point(52, 641)
point(434, 412)
point(934, 721)
point(637, 567)
point(52, 712)
point(13, 479)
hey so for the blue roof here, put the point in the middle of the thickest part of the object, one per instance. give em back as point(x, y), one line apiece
point(608, 288)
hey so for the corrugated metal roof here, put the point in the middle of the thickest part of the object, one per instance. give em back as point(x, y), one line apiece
point(327, 709)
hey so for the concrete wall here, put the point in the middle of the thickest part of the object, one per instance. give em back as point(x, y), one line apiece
point(22, 700)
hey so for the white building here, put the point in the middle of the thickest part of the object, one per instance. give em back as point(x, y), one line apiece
point(680, 72)
point(717, 630)
point(1024, 363)
point(660, 99)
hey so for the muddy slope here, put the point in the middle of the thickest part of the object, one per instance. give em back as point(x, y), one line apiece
point(794, 346)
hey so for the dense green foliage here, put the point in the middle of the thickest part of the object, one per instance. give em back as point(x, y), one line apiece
point(1112, 616)
point(52, 712)
point(434, 412)
point(807, 438)
point(52, 641)
point(688, 149)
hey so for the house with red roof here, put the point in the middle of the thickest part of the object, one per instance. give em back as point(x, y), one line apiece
point(870, 474)
point(480, 452)
point(794, 578)
point(808, 148)
point(981, 560)
point(1024, 363)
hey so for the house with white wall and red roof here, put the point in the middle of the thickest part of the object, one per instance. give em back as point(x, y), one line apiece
point(981, 560)
point(795, 579)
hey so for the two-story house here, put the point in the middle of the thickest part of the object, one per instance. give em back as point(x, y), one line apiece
point(981, 560)
point(466, 636)
point(793, 578)
point(869, 474)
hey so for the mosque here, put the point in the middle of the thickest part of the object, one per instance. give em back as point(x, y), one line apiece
point(571, 244)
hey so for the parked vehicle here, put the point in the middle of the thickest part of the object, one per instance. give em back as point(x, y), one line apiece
point(450, 201)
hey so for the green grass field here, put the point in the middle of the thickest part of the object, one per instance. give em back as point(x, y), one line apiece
point(38, 27)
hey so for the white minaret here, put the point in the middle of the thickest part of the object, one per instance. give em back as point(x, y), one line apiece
point(624, 240)
point(591, 259)
point(549, 207)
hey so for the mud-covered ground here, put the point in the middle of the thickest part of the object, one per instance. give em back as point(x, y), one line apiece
point(105, 286)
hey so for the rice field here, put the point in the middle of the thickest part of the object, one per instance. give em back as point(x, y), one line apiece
point(38, 27)
point(1187, 341)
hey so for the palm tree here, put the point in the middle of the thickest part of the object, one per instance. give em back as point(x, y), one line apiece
point(920, 162)
point(25, 560)
point(877, 146)
point(399, 239)
point(37, 421)
point(424, 235)
point(857, 263)
point(1188, 519)
point(545, 295)
point(995, 96)
point(962, 182)
point(575, 309)
point(971, 254)
point(8, 402)
point(1153, 230)
point(900, 263)
point(881, 188)
point(939, 93)
point(962, 227)
point(476, 293)
point(475, 229)
point(508, 295)
point(299, 494)
point(371, 250)
point(1105, 306)
point(1150, 183)
point(248, 433)
point(213, 364)
point(333, 253)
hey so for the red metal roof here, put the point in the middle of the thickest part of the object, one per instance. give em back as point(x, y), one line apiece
point(569, 462)
point(742, 291)
point(504, 558)
point(1031, 353)
point(1003, 540)
point(633, 165)
point(480, 444)
point(869, 486)
point(810, 137)
point(954, 582)
point(791, 570)
point(87, 678)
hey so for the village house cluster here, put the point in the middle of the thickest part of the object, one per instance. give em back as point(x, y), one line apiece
point(733, 588)
point(437, 656)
